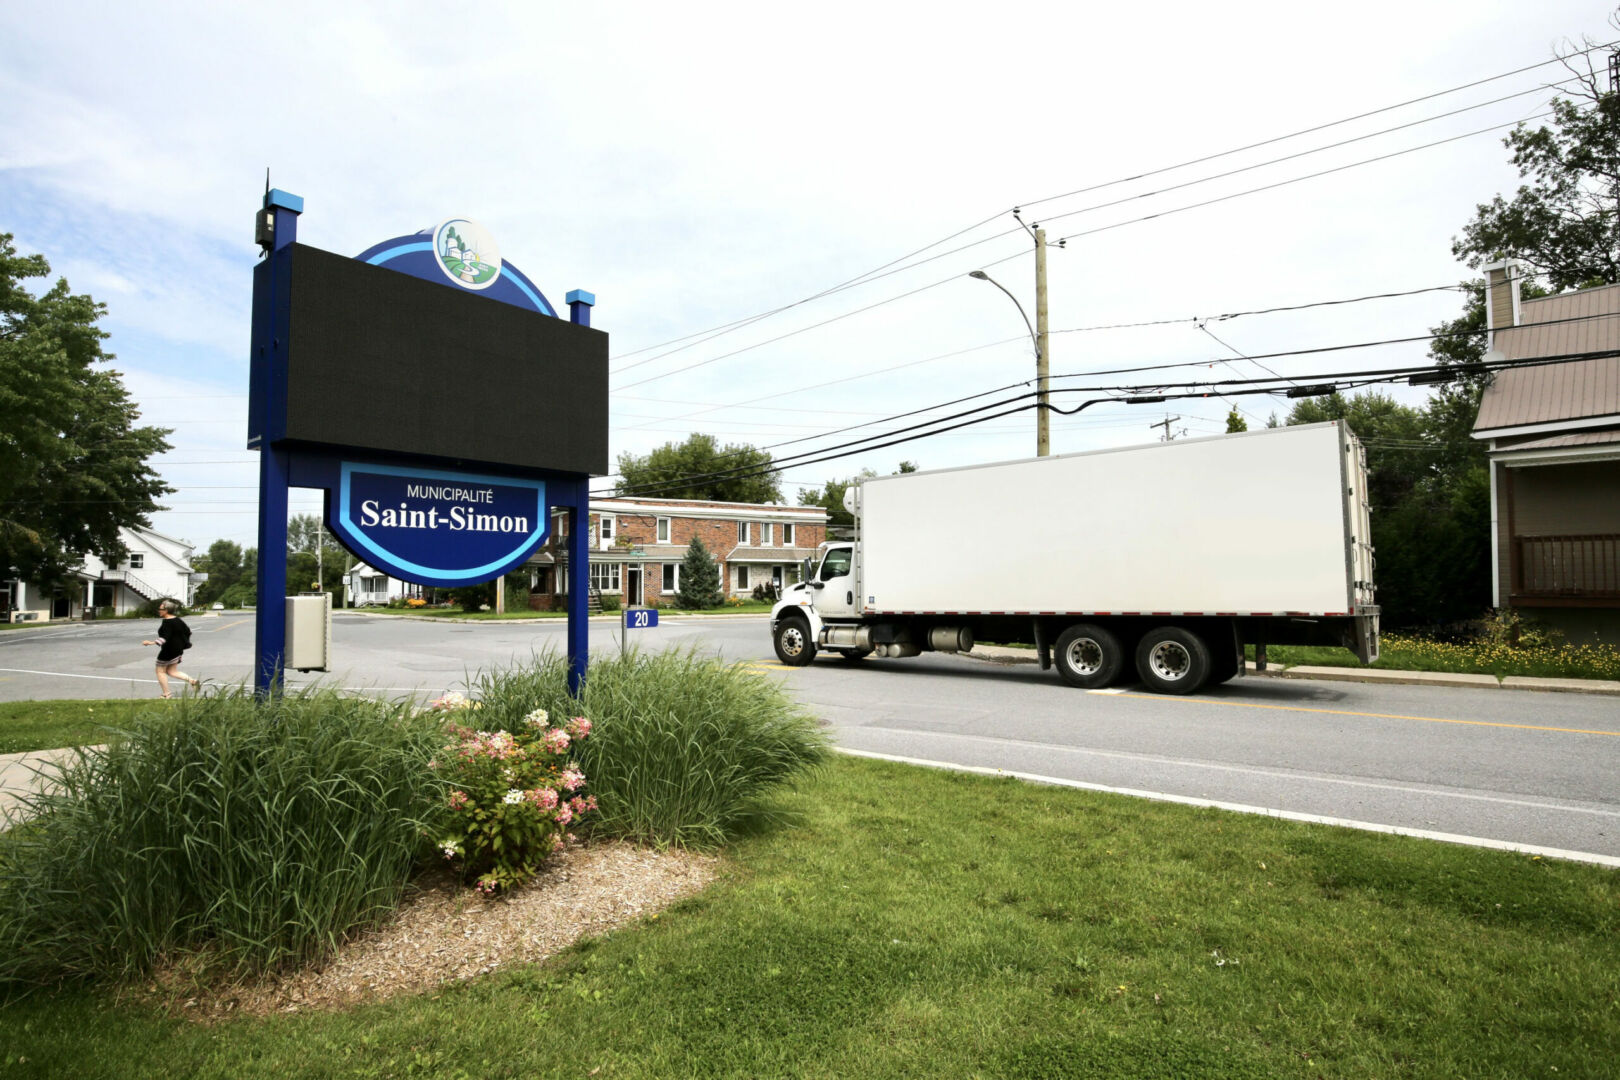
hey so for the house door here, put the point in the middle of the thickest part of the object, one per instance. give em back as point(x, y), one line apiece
point(61, 606)
point(632, 585)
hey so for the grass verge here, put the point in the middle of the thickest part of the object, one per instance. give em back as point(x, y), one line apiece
point(46, 725)
point(237, 835)
point(1400, 653)
point(921, 923)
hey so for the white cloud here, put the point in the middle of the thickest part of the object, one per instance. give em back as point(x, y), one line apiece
point(695, 165)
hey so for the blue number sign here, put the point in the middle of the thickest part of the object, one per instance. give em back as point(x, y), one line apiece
point(640, 618)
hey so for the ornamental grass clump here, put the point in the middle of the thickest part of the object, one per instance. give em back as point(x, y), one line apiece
point(512, 797)
point(240, 836)
point(685, 749)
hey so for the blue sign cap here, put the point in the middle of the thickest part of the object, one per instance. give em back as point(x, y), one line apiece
point(284, 199)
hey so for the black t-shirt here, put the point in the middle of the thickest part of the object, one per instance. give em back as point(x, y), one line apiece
point(176, 638)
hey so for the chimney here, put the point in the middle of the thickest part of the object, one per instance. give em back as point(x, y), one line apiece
point(1502, 296)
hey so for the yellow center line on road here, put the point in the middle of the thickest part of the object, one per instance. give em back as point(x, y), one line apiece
point(227, 626)
point(1371, 715)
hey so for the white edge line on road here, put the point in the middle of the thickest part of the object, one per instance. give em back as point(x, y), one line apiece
point(1240, 808)
point(1249, 770)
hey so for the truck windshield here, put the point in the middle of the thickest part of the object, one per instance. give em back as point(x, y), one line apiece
point(836, 564)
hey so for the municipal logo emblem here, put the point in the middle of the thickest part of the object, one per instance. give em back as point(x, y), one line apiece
point(467, 253)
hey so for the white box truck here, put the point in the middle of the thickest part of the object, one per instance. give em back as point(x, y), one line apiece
point(1161, 561)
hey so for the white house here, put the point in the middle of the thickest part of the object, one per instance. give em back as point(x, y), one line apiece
point(369, 586)
point(155, 567)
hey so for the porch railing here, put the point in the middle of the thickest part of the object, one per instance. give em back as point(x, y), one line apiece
point(1568, 566)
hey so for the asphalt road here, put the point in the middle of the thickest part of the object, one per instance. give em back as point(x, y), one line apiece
point(1508, 767)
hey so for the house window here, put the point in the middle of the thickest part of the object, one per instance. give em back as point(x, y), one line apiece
point(787, 534)
point(672, 577)
point(137, 561)
point(765, 531)
point(606, 530)
point(562, 523)
point(663, 530)
point(742, 577)
point(742, 532)
point(605, 577)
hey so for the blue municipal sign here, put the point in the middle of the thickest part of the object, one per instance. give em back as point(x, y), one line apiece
point(437, 527)
point(640, 618)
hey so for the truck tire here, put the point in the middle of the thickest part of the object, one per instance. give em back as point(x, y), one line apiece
point(1173, 660)
point(1088, 656)
point(794, 645)
point(1223, 663)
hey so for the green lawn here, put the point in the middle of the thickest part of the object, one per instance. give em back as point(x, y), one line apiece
point(926, 924)
point(45, 725)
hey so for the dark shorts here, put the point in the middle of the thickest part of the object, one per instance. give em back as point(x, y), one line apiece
point(168, 663)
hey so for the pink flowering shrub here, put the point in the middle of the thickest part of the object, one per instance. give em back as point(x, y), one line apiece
point(512, 797)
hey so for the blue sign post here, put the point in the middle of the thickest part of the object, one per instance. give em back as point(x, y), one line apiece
point(432, 491)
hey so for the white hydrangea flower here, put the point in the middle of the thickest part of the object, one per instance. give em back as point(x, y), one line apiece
point(513, 796)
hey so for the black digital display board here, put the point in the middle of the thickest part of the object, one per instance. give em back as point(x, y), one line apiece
point(383, 361)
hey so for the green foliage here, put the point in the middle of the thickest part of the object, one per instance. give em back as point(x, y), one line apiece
point(1562, 221)
point(684, 750)
point(512, 795)
point(242, 594)
point(73, 463)
point(700, 578)
point(306, 535)
point(1430, 496)
point(610, 602)
point(700, 469)
point(227, 566)
point(1235, 422)
point(831, 499)
point(245, 835)
point(473, 597)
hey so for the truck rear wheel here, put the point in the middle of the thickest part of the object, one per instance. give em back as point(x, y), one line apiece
point(794, 645)
point(1088, 656)
point(1173, 660)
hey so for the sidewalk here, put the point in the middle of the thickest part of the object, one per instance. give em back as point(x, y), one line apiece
point(1005, 655)
point(19, 776)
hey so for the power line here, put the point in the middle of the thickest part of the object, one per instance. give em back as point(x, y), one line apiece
point(873, 274)
point(1307, 176)
point(1316, 128)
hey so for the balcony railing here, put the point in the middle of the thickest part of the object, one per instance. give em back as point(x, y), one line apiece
point(1575, 567)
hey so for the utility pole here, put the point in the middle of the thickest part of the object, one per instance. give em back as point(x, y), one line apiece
point(1043, 441)
point(1165, 423)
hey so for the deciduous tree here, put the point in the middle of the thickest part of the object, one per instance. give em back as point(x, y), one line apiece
point(700, 469)
point(73, 461)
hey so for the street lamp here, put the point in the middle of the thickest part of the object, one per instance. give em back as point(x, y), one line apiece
point(1042, 434)
point(320, 564)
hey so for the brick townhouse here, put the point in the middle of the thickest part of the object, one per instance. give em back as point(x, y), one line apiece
point(637, 546)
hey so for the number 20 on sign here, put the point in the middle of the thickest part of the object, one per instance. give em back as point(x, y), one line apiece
point(636, 619)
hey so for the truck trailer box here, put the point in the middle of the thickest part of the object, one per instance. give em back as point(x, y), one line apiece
point(1269, 522)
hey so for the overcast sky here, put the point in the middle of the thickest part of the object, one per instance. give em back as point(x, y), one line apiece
point(694, 165)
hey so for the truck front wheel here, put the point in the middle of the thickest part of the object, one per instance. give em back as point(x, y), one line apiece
point(1173, 660)
point(1088, 656)
point(794, 645)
